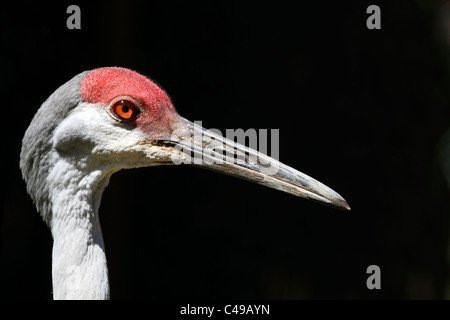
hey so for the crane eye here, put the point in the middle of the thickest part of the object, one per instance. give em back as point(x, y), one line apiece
point(125, 110)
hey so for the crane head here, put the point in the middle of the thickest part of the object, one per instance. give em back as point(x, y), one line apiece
point(120, 118)
point(113, 118)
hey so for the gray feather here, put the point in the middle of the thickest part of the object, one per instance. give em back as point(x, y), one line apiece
point(35, 156)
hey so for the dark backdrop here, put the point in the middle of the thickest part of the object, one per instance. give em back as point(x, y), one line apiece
point(360, 110)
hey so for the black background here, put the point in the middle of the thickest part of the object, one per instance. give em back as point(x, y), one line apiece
point(360, 110)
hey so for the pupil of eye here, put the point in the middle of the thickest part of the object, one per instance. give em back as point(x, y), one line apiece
point(125, 109)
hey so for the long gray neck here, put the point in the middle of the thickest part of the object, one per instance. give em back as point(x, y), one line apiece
point(67, 190)
point(79, 267)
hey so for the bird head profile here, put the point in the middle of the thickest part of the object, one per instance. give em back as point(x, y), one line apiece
point(108, 119)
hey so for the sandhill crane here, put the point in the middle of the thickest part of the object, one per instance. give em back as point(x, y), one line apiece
point(105, 120)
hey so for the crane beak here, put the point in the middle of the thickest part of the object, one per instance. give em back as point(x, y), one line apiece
point(197, 146)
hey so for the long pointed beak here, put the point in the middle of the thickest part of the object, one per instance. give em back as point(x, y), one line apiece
point(197, 146)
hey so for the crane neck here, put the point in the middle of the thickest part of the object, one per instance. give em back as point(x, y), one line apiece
point(79, 268)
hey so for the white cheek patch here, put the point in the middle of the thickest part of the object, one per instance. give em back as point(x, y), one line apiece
point(90, 130)
point(89, 127)
point(70, 136)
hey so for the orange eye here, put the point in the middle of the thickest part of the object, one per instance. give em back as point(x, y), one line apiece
point(125, 110)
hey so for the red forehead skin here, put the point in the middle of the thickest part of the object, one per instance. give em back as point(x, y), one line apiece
point(104, 84)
